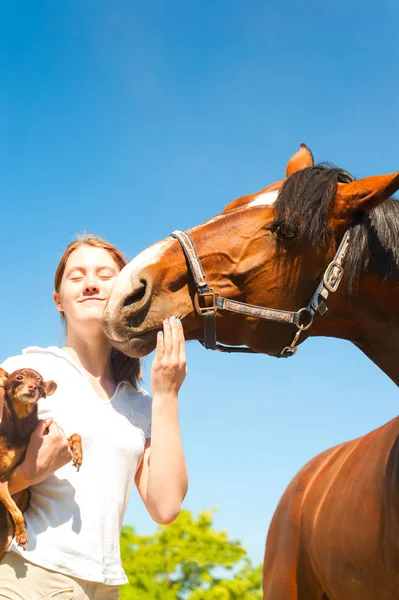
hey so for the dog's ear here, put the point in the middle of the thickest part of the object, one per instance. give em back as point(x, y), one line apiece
point(3, 377)
point(3, 381)
point(49, 387)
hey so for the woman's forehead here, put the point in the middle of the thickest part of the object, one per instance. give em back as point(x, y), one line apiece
point(89, 256)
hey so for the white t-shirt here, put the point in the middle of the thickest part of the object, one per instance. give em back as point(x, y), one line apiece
point(74, 518)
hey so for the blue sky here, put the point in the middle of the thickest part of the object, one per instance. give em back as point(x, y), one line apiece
point(132, 119)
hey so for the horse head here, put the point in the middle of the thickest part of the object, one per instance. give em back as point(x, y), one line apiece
point(268, 249)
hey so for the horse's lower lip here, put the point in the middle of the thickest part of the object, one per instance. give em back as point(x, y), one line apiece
point(137, 345)
point(139, 336)
point(143, 334)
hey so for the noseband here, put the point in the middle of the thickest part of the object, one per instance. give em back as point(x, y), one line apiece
point(207, 301)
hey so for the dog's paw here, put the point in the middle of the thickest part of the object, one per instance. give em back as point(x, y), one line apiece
point(77, 460)
point(75, 444)
point(21, 538)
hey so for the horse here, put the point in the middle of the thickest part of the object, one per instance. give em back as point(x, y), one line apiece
point(278, 248)
point(326, 243)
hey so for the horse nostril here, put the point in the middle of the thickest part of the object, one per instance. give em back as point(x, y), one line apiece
point(137, 295)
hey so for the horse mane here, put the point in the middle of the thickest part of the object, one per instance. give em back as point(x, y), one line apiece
point(304, 205)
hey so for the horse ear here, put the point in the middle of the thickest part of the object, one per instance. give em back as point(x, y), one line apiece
point(301, 160)
point(362, 196)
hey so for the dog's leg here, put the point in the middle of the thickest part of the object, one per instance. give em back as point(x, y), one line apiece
point(6, 530)
point(7, 526)
point(17, 516)
point(75, 444)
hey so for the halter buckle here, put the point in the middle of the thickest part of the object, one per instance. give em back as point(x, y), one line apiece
point(331, 284)
point(208, 294)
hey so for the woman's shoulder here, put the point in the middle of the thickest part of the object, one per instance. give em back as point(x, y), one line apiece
point(138, 397)
point(136, 404)
point(33, 357)
point(136, 393)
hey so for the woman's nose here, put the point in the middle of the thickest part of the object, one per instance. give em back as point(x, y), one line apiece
point(91, 288)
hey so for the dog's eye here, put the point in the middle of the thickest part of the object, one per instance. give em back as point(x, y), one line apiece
point(19, 377)
point(40, 383)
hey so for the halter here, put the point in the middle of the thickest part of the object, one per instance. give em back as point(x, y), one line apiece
point(207, 301)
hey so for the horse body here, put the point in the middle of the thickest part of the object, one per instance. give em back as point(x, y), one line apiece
point(335, 533)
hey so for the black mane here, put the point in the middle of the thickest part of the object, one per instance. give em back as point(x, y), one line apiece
point(304, 205)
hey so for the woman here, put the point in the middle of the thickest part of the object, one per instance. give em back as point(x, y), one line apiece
point(74, 518)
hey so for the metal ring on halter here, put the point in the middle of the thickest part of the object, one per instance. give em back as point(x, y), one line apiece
point(305, 327)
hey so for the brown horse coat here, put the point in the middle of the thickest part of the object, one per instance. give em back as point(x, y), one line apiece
point(336, 529)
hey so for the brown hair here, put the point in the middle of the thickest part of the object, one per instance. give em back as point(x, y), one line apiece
point(124, 368)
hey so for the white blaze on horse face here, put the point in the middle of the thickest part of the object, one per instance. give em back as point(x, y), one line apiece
point(126, 279)
point(149, 256)
point(265, 199)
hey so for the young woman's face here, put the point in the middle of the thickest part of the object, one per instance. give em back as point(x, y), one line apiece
point(86, 285)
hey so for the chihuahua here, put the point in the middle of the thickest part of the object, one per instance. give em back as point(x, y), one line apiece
point(19, 394)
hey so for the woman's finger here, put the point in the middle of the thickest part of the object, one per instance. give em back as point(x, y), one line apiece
point(175, 330)
point(167, 339)
point(182, 350)
point(160, 347)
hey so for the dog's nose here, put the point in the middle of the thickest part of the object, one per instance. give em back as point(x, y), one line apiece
point(32, 387)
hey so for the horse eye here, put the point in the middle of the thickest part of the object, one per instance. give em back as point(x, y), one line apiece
point(19, 377)
point(283, 232)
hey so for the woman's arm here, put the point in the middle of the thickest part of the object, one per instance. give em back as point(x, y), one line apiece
point(47, 451)
point(162, 476)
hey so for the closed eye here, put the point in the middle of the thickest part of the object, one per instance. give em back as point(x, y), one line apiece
point(283, 232)
point(106, 273)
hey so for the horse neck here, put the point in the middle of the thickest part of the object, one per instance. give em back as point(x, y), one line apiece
point(369, 319)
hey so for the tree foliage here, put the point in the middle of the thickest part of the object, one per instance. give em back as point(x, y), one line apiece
point(187, 560)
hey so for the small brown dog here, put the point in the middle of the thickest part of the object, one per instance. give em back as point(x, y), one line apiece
point(19, 394)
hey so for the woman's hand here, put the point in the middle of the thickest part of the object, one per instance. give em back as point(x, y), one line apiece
point(47, 451)
point(169, 366)
point(162, 477)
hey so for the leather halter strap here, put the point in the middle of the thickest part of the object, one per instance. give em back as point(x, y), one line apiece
point(207, 302)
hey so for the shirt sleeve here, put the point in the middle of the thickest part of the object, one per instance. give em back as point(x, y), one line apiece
point(148, 432)
point(146, 412)
point(13, 363)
